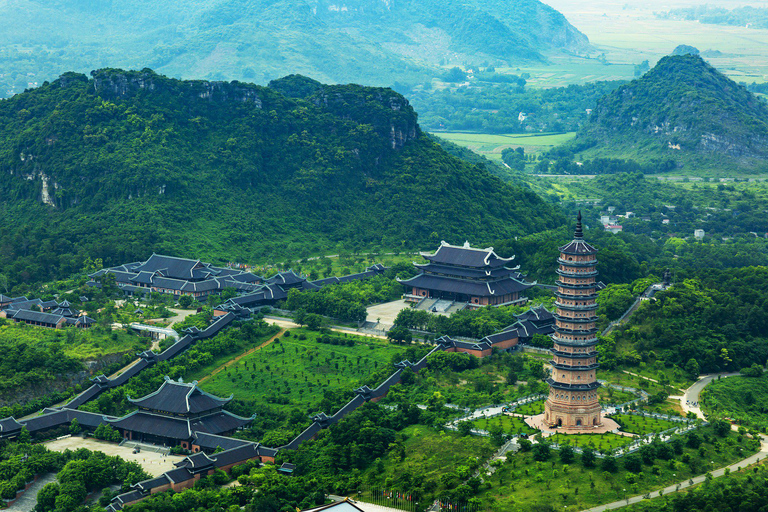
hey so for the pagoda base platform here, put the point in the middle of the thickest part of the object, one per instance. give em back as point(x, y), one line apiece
point(537, 422)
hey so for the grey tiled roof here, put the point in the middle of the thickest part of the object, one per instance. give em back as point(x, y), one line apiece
point(466, 256)
point(180, 398)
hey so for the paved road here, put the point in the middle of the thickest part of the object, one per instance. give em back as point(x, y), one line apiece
point(288, 324)
point(691, 394)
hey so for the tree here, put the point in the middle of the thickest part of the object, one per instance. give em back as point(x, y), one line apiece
point(588, 457)
point(567, 455)
point(74, 427)
point(46, 498)
point(721, 427)
point(24, 436)
point(465, 427)
point(313, 321)
point(692, 368)
point(541, 451)
point(633, 463)
point(609, 464)
point(496, 433)
point(399, 334)
point(185, 301)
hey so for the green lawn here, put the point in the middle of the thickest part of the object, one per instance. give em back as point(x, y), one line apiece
point(241, 345)
point(600, 442)
point(609, 395)
point(643, 425)
point(491, 145)
point(509, 424)
point(531, 408)
point(296, 372)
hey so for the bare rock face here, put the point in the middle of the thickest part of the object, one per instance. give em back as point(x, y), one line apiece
point(122, 84)
point(389, 113)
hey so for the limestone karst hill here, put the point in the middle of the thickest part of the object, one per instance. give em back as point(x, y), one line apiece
point(682, 109)
point(125, 163)
point(364, 41)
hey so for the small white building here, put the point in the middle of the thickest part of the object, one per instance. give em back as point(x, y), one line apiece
point(698, 234)
point(665, 221)
point(613, 228)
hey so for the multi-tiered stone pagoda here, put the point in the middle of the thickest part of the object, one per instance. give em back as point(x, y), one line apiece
point(572, 402)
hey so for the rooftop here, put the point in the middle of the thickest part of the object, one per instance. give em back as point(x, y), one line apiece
point(180, 398)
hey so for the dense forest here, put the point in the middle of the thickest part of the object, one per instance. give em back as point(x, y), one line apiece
point(682, 109)
point(366, 41)
point(714, 322)
point(127, 163)
point(488, 105)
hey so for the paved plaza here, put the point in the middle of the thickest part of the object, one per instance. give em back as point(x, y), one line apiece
point(386, 312)
point(153, 463)
point(537, 422)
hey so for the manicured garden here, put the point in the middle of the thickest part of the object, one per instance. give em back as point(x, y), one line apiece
point(509, 424)
point(600, 442)
point(642, 425)
point(530, 409)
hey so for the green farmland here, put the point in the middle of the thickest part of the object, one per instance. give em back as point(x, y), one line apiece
point(491, 145)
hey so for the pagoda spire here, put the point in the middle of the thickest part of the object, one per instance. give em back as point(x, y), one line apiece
point(578, 234)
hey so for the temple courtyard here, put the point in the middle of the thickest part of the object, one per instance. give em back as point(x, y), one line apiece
point(153, 463)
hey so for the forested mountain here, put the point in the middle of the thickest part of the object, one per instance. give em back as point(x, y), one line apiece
point(364, 41)
point(682, 109)
point(126, 163)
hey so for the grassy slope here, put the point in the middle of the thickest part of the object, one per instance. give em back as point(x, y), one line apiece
point(744, 399)
point(294, 372)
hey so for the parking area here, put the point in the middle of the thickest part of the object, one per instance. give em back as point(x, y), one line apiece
point(153, 463)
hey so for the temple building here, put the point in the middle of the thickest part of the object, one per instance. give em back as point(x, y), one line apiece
point(572, 401)
point(177, 277)
point(465, 275)
point(173, 414)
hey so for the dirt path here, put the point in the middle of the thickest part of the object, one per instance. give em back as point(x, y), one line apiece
point(233, 361)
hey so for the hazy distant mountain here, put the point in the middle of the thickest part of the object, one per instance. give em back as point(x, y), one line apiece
point(365, 41)
point(682, 109)
point(127, 163)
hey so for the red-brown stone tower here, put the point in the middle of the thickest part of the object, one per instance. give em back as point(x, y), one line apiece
point(572, 402)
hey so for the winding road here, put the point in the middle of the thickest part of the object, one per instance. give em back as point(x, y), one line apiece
point(690, 397)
